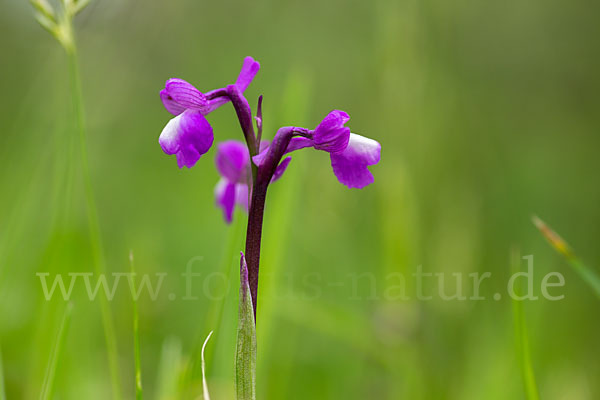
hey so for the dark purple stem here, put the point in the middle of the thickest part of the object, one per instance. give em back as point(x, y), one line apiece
point(244, 114)
point(262, 175)
point(257, 205)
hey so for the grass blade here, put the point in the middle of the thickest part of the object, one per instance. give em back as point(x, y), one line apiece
point(136, 337)
point(204, 384)
point(245, 360)
point(2, 390)
point(169, 369)
point(586, 273)
point(93, 223)
point(48, 384)
point(521, 338)
point(214, 314)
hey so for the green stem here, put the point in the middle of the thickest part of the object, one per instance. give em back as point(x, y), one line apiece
point(48, 384)
point(587, 274)
point(2, 390)
point(94, 227)
point(521, 336)
point(214, 315)
point(136, 338)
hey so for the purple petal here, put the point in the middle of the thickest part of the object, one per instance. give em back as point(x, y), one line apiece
point(263, 148)
point(225, 197)
point(215, 103)
point(331, 135)
point(249, 70)
point(281, 169)
point(232, 160)
point(241, 195)
point(179, 95)
point(188, 135)
point(298, 143)
point(247, 74)
point(171, 105)
point(350, 165)
point(187, 156)
point(260, 157)
point(264, 144)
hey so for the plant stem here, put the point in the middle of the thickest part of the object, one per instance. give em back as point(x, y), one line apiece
point(2, 391)
point(253, 238)
point(257, 206)
point(521, 336)
point(94, 227)
point(136, 337)
point(47, 386)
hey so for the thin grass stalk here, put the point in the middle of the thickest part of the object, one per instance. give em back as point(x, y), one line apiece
point(215, 311)
point(136, 337)
point(589, 275)
point(521, 338)
point(2, 389)
point(94, 227)
point(48, 385)
point(205, 392)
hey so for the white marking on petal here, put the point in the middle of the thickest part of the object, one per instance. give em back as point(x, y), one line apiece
point(367, 150)
point(169, 137)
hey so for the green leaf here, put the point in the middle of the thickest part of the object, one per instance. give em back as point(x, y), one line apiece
point(204, 384)
point(586, 273)
point(245, 359)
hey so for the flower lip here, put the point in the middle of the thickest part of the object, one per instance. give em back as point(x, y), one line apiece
point(188, 136)
point(225, 195)
point(350, 165)
point(232, 161)
point(331, 135)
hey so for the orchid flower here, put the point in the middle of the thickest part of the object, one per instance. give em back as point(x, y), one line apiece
point(248, 169)
point(189, 135)
point(350, 153)
point(233, 163)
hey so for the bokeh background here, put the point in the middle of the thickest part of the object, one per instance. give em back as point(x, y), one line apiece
point(487, 112)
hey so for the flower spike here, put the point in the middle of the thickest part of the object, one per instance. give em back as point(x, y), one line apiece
point(247, 169)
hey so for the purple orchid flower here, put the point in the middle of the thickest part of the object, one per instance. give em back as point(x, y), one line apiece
point(233, 163)
point(350, 153)
point(189, 135)
point(248, 169)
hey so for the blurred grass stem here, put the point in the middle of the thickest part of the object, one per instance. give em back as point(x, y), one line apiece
point(48, 384)
point(521, 336)
point(136, 337)
point(2, 390)
point(94, 227)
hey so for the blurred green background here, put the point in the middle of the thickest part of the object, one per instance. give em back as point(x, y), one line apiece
point(487, 112)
